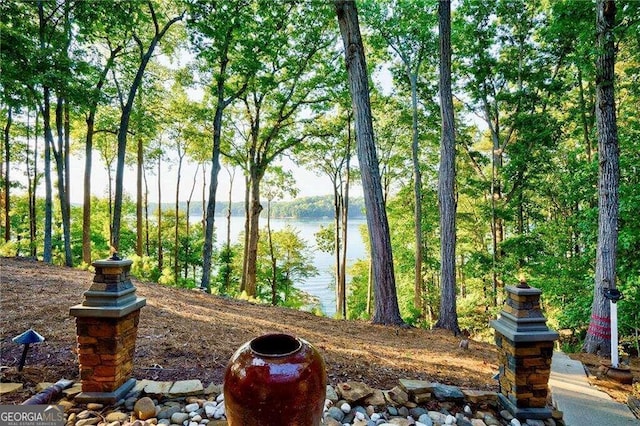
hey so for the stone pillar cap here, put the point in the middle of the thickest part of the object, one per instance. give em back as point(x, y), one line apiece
point(111, 263)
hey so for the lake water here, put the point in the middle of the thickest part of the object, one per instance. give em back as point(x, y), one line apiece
point(322, 285)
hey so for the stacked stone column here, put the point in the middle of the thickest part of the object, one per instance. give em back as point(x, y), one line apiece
point(525, 348)
point(107, 326)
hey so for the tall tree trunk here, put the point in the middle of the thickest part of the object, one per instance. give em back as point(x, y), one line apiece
point(125, 118)
point(7, 186)
point(272, 255)
point(176, 244)
point(189, 246)
point(160, 249)
point(86, 205)
point(598, 339)
point(254, 232)
point(417, 196)
point(337, 211)
point(386, 299)
point(86, 191)
point(345, 214)
point(207, 250)
point(227, 270)
point(245, 246)
point(448, 318)
point(139, 172)
point(47, 255)
point(58, 154)
point(33, 184)
point(146, 214)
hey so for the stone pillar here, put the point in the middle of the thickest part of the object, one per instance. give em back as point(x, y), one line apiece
point(106, 328)
point(525, 348)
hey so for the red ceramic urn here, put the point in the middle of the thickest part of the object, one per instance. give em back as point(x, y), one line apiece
point(275, 379)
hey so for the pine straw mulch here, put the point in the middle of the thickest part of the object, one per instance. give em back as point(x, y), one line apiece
point(185, 334)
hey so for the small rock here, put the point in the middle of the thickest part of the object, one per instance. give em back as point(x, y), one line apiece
point(331, 394)
point(94, 406)
point(478, 422)
point(167, 412)
point(354, 391)
point(515, 422)
point(144, 408)
point(467, 410)
point(113, 424)
point(196, 418)
point(179, 418)
point(532, 422)
point(191, 407)
point(450, 420)
point(447, 393)
point(330, 421)
point(345, 407)
point(425, 420)
point(506, 415)
point(116, 416)
point(335, 413)
point(490, 420)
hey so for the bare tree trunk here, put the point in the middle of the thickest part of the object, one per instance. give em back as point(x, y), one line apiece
point(126, 116)
point(160, 250)
point(189, 247)
point(7, 166)
point(345, 214)
point(598, 339)
point(337, 211)
point(58, 154)
point(448, 318)
point(272, 255)
point(254, 233)
point(417, 197)
point(146, 214)
point(227, 274)
point(139, 168)
point(176, 244)
point(33, 184)
point(245, 246)
point(88, 158)
point(386, 300)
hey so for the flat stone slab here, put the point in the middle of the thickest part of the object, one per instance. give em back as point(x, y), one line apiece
point(157, 388)
point(140, 385)
point(354, 391)
point(479, 397)
point(9, 387)
point(186, 388)
point(447, 393)
point(73, 390)
point(413, 387)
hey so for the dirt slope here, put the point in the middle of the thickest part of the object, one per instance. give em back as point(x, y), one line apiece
point(186, 334)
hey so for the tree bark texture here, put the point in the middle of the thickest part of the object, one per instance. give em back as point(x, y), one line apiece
point(598, 338)
point(386, 300)
point(7, 187)
point(448, 318)
point(417, 194)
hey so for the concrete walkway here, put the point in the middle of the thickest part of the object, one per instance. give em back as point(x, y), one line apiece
point(581, 403)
